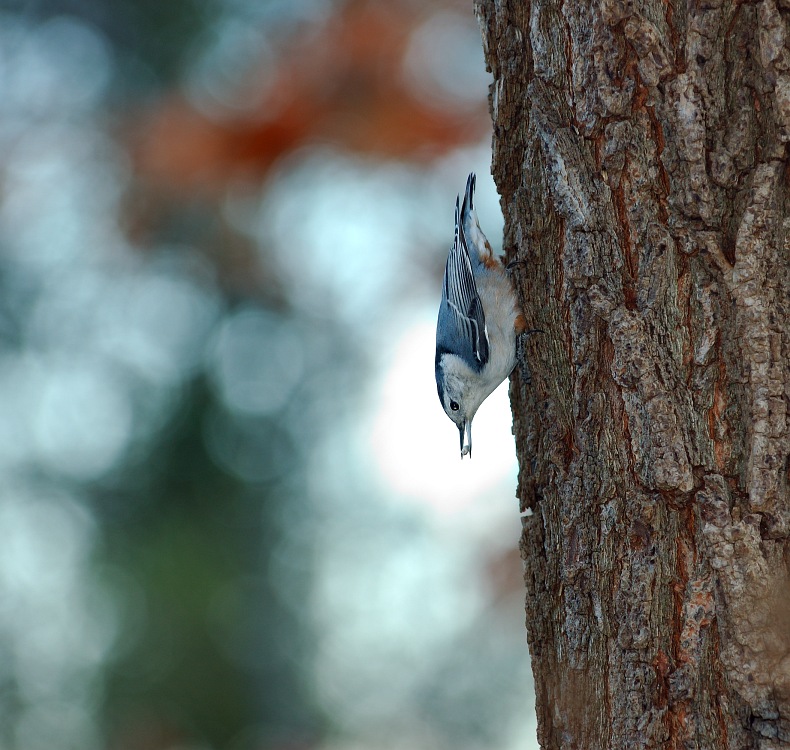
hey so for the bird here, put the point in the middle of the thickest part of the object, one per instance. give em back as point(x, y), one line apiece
point(479, 323)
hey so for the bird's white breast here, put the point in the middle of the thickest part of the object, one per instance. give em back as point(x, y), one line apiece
point(500, 309)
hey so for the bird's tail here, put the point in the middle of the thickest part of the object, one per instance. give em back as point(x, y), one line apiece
point(479, 247)
point(468, 208)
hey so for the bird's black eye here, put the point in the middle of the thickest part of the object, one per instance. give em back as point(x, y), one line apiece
point(454, 405)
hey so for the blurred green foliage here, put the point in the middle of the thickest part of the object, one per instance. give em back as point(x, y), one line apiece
point(150, 39)
point(215, 649)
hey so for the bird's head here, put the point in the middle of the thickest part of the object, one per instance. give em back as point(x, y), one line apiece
point(461, 394)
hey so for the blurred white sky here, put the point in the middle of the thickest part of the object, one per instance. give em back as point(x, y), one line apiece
point(415, 446)
point(388, 600)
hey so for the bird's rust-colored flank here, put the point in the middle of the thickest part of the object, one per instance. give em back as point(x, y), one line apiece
point(489, 260)
point(520, 324)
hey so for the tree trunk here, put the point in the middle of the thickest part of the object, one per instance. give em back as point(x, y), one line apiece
point(640, 154)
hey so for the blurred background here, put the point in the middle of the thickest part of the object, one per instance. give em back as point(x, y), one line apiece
point(233, 515)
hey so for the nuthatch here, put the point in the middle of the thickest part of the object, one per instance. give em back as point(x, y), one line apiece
point(479, 322)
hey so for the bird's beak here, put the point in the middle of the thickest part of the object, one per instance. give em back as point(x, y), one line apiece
point(465, 429)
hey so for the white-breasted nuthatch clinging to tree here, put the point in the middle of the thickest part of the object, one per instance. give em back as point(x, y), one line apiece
point(479, 322)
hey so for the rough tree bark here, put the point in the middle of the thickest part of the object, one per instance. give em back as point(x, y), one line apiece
point(640, 151)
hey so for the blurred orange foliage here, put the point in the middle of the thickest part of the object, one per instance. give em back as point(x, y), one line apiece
point(342, 86)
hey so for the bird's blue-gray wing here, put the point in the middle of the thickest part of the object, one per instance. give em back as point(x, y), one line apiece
point(461, 328)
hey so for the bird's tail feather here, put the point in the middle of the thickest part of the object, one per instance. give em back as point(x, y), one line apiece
point(469, 196)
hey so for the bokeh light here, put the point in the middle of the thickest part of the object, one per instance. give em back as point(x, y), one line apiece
point(235, 516)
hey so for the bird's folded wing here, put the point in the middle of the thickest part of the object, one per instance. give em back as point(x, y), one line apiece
point(461, 328)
